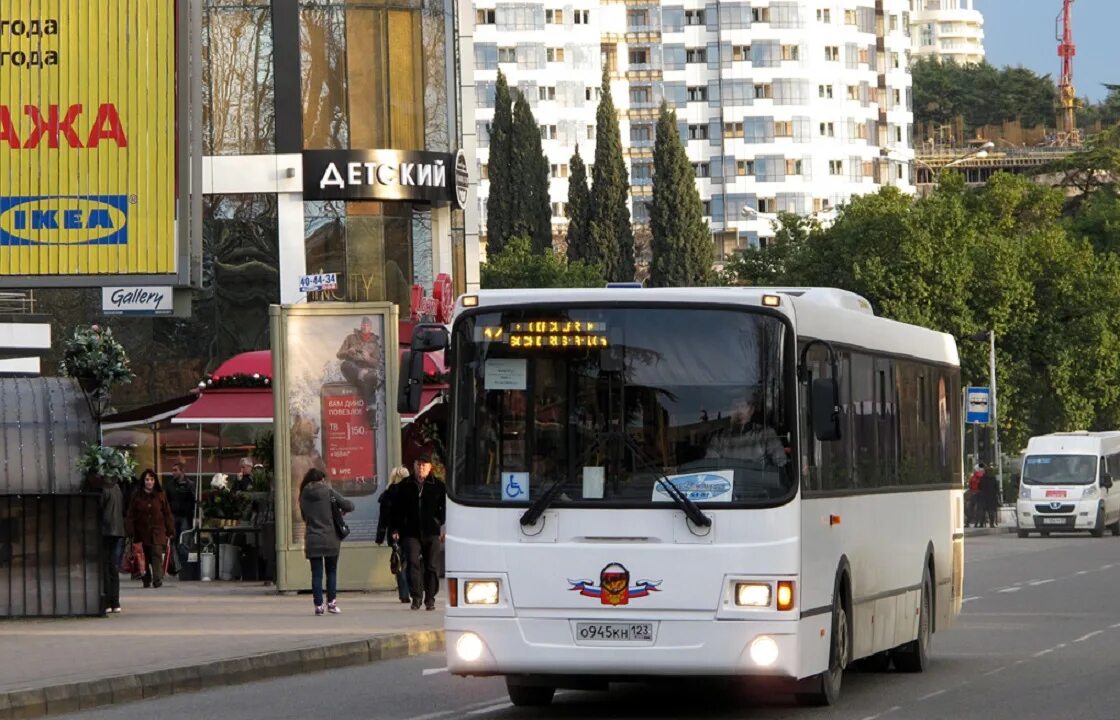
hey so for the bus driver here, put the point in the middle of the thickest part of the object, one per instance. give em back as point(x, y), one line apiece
point(747, 437)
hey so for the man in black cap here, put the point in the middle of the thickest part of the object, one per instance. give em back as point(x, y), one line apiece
point(362, 364)
point(419, 511)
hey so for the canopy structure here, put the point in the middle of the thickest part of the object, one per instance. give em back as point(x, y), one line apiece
point(234, 405)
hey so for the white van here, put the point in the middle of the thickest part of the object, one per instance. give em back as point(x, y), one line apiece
point(1067, 484)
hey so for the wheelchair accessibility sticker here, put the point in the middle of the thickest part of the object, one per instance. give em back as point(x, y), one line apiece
point(515, 487)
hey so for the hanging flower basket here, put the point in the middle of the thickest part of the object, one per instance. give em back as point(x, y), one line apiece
point(94, 357)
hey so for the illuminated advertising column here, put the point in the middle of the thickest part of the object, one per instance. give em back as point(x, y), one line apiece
point(87, 140)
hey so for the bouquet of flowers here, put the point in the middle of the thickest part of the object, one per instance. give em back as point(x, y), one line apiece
point(221, 501)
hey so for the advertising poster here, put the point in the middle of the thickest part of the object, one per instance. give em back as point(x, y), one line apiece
point(87, 142)
point(336, 379)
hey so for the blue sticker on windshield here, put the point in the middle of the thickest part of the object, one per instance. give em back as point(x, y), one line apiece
point(1038, 461)
point(712, 486)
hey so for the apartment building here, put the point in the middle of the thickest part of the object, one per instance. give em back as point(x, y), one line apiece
point(947, 30)
point(784, 106)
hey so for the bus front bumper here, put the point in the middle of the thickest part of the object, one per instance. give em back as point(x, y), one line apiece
point(519, 645)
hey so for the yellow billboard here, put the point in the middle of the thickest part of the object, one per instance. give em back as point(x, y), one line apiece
point(87, 138)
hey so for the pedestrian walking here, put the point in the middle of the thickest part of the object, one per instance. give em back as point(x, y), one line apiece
point(181, 497)
point(419, 512)
point(972, 497)
point(149, 521)
point(111, 505)
point(321, 541)
point(989, 498)
point(384, 519)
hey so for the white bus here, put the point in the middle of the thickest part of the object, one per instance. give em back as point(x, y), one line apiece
point(1067, 484)
point(762, 483)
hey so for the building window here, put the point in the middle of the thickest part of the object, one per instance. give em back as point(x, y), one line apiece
point(783, 128)
point(559, 170)
point(744, 167)
point(793, 167)
point(835, 167)
point(592, 94)
point(733, 129)
point(238, 117)
point(590, 132)
point(546, 92)
point(637, 19)
point(828, 129)
point(507, 55)
point(894, 23)
point(696, 55)
point(702, 169)
point(554, 17)
point(694, 17)
point(640, 95)
point(484, 171)
point(641, 171)
point(767, 205)
point(821, 204)
point(832, 53)
point(850, 17)
point(639, 56)
point(698, 93)
point(863, 56)
point(582, 17)
point(763, 91)
point(554, 55)
point(760, 14)
point(791, 52)
point(824, 91)
point(741, 53)
point(484, 17)
point(824, 15)
point(559, 209)
point(697, 132)
point(853, 92)
point(894, 60)
point(548, 132)
point(641, 133)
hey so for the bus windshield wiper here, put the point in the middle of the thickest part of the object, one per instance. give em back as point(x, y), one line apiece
point(541, 504)
point(694, 513)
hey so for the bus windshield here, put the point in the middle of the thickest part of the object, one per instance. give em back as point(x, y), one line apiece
point(598, 403)
point(1059, 470)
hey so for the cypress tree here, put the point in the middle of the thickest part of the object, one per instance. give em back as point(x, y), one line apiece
point(579, 211)
point(611, 234)
point(681, 241)
point(498, 203)
point(531, 211)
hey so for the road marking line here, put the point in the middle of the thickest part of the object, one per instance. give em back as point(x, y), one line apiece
point(932, 694)
point(1011, 589)
point(1082, 572)
point(433, 671)
point(974, 597)
point(1083, 638)
point(456, 712)
point(491, 708)
point(1034, 583)
point(1040, 653)
point(1106, 567)
point(1117, 625)
point(997, 670)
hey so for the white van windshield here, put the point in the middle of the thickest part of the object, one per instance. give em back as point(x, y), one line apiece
point(1059, 470)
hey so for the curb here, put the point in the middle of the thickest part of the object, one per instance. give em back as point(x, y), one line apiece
point(72, 697)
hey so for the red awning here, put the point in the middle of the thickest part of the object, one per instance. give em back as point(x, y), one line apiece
point(229, 406)
point(247, 363)
point(430, 396)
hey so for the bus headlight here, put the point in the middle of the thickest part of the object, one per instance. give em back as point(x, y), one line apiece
point(480, 592)
point(752, 594)
point(764, 651)
point(469, 647)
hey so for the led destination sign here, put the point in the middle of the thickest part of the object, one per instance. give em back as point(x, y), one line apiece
point(551, 334)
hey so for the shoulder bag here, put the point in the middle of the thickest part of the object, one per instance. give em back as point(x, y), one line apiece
point(340, 525)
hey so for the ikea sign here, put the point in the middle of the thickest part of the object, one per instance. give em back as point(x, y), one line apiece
point(68, 220)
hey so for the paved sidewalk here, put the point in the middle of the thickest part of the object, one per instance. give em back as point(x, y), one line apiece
point(1006, 523)
point(189, 636)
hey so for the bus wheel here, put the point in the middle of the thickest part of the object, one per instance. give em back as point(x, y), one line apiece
point(824, 689)
point(529, 695)
point(1098, 528)
point(914, 655)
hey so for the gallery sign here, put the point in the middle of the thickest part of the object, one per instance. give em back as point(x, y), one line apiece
point(385, 175)
point(136, 300)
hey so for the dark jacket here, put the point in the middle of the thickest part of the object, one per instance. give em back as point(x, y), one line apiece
point(112, 511)
point(989, 490)
point(385, 515)
point(243, 483)
point(419, 510)
point(321, 539)
point(149, 518)
point(180, 496)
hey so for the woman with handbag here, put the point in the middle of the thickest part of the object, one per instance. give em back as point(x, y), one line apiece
point(322, 508)
point(150, 522)
point(397, 566)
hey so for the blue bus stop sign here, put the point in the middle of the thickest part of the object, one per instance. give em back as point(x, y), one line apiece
point(978, 407)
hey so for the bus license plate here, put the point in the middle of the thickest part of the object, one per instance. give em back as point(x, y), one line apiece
point(1053, 521)
point(614, 632)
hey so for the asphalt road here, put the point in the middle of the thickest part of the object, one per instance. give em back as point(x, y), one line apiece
point(1038, 638)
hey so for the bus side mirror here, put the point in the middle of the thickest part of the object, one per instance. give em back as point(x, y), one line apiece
point(1106, 481)
point(426, 338)
point(825, 409)
point(411, 381)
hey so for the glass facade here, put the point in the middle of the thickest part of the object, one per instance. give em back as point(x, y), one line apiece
point(238, 112)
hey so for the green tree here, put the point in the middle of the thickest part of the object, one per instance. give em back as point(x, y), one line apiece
point(530, 206)
point(681, 242)
point(981, 94)
point(579, 211)
point(519, 266)
point(611, 233)
point(499, 213)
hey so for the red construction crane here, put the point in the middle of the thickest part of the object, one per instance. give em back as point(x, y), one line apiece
point(1068, 134)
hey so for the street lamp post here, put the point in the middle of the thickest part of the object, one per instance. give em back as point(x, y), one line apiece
point(990, 336)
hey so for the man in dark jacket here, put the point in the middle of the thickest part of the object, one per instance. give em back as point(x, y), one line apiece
point(989, 498)
point(180, 495)
point(419, 510)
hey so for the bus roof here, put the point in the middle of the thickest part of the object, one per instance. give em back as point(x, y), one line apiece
point(1074, 442)
point(831, 314)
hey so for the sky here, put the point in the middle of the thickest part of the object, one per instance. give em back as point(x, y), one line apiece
point(1021, 32)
